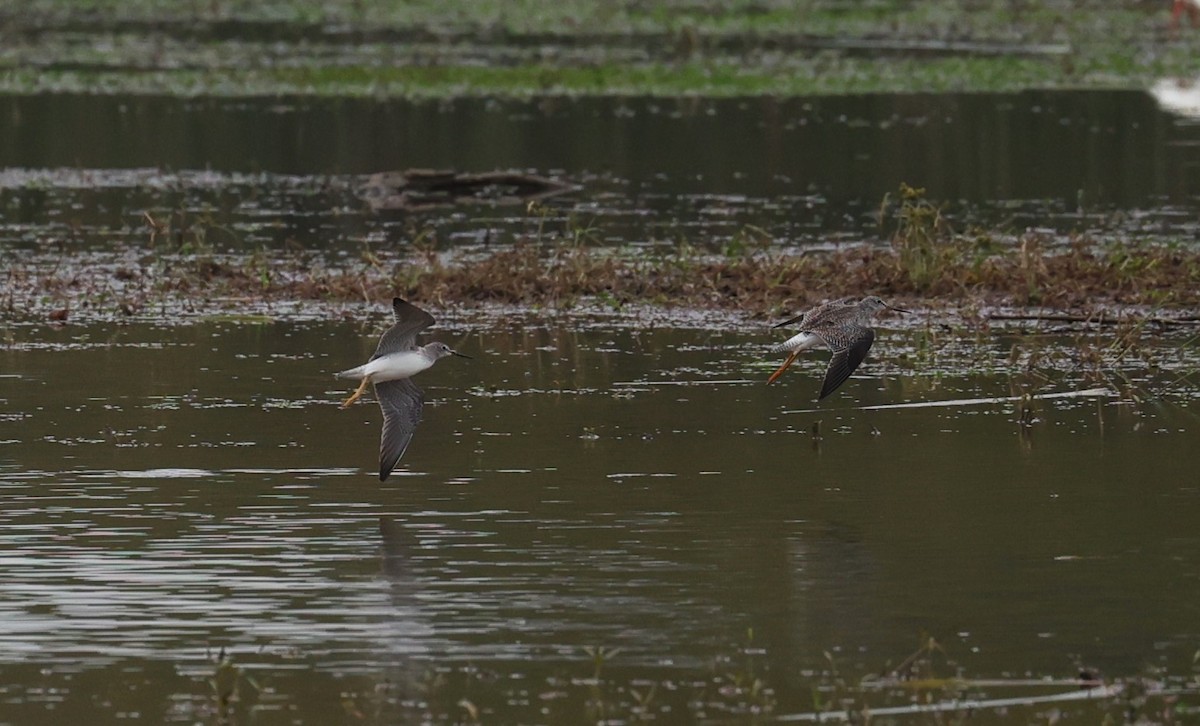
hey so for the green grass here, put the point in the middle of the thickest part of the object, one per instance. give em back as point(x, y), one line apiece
point(820, 76)
point(1055, 18)
point(534, 47)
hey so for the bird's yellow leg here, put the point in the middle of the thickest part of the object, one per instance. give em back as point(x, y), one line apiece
point(790, 359)
point(358, 393)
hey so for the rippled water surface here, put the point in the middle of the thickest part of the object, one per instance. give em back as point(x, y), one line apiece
point(602, 514)
point(173, 490)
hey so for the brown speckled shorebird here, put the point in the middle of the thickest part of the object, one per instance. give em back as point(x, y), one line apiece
point(844, 326)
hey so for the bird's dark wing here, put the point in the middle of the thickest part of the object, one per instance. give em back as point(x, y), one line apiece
point(410, 320)
point(850, 346)
point(401, 401)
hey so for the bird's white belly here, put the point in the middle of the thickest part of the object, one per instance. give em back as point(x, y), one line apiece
point(798, 342)
point(396, 366)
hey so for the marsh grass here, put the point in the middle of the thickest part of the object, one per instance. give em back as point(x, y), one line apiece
point(923, 241)
point(563, 264)
point(232, 690)
point(1081, 277)
point(186, 232)
point(1103, 348)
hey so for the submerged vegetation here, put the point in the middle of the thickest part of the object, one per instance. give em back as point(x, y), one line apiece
point(596, 686)
point(925, 263)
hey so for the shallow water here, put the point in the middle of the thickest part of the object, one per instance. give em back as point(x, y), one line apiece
point(176, 486)
point(173, 490)
point(79, 171)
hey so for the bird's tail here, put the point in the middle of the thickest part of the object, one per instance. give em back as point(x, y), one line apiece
point(796, 343)
point(356, 372)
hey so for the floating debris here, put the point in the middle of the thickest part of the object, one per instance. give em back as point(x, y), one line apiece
point(964, 704)
point(418, 189)
point(1088, 393)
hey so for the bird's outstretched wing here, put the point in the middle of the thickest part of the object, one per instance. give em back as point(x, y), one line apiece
point(410, 320)
point(849, 346)
point(401, 401)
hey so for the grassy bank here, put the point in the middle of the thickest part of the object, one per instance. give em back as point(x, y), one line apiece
point(532, 48)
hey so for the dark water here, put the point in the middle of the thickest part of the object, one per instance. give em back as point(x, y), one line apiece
point(1109, 146)
point(273, 172)
point(170, 491)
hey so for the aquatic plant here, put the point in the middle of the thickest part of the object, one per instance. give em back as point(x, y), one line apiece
point(184, 232)
point(923, 240)
point(929, 685)
point(229, 687)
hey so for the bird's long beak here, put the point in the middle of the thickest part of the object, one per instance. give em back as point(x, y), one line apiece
point(899, 310)
point(796, 319)
point(461, 355)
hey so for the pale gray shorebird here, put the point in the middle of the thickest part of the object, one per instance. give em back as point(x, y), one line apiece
point(842, 325)
point(396, 360)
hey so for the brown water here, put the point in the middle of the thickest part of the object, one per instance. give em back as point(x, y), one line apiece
point(172, 490)
point(176, 486)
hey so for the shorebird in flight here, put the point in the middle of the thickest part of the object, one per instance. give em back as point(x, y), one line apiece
point(396, 360)
point(842, 325)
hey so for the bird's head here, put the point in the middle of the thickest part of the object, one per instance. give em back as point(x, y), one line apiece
point(441, 350)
